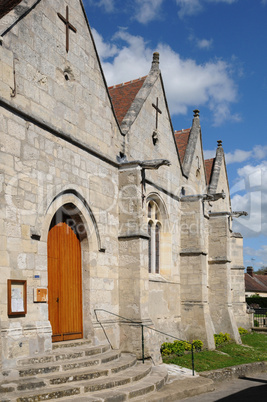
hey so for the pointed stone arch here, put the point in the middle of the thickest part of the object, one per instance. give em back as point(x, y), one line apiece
point(85, 227)
point(72, 196)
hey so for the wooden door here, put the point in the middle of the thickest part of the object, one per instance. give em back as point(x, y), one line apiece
point(64, 283)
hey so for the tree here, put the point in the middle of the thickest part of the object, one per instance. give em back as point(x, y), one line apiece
point(261, 271)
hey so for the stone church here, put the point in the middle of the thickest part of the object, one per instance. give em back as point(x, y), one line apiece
point(108, 216)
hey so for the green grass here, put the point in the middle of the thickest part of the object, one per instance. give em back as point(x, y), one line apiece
point(254, 349)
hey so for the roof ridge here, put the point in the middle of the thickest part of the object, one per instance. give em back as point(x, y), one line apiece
point(127, 82)
point(183, 130)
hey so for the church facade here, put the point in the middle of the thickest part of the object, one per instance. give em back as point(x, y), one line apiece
point(108, 216)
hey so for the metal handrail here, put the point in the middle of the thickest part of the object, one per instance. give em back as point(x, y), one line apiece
point(142, 328)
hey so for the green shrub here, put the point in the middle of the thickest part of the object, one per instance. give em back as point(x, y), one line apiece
point(188, 345)
point(242, 331)
point(166, 349)
point(221, 338)
point(256, 323)
point(198, 344)
point(179, 347)
point(260, 301)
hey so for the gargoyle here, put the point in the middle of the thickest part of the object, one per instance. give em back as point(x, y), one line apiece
point(154, 163)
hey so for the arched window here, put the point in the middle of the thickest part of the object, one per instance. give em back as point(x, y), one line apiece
point(157, 248)
point(154, 232)
point(149, 247)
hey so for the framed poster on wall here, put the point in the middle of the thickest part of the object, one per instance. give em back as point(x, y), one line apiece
point(17, 297)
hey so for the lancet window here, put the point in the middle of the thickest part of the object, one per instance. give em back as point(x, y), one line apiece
point(154, 232)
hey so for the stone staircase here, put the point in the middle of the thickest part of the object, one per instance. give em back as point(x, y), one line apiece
point(75, 370)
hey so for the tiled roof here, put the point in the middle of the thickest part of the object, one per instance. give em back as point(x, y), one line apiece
point(263, 279)
point(123, 95)
point(181, 138)
point(7, 5)
point(209, 163)
point(256, 283)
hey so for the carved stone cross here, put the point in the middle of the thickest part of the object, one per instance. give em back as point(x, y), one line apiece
point(157, 112)
point(68, 27)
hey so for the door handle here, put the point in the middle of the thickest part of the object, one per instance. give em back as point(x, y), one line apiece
point(57, 300)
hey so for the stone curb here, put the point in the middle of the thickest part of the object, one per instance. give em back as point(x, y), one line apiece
point(206, 382)
point(230, 373)
point(180, 389)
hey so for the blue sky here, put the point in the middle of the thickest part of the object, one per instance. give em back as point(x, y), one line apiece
point(213, 56)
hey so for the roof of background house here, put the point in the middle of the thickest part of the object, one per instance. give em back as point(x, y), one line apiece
point(209, 163)
point(263, 279)
point(256, 283)
point(123, 95)
point(7, 5)
point(181, 138)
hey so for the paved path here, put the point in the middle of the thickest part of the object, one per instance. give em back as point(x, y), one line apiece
point(253, 388)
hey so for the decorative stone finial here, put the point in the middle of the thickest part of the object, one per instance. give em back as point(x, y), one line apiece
point(219, 143)
point(155, 62)
point(196, 113)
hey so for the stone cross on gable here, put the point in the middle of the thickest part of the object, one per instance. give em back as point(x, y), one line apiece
point(157, 112)
point(155, 136)
point(68, 27)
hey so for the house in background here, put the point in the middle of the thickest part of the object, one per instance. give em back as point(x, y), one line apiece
point(255, 284)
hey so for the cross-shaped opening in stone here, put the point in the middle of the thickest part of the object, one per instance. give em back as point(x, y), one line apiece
point(68, 27)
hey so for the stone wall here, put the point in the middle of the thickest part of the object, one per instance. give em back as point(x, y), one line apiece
point(53, 152)
point(59, 145)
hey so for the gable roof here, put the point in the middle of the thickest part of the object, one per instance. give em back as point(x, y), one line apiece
point(123, 95)
point(256, 283)
point(182, 137)
point(7, 5)
point(209, 164)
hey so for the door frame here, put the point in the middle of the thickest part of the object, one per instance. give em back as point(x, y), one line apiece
point(89, 246)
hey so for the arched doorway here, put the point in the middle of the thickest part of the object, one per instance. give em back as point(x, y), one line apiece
point(65, 276)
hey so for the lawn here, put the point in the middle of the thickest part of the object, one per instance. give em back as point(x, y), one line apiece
point(253, 349)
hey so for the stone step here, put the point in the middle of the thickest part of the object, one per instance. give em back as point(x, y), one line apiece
point(136, 381)
point(130, 375)
point(59, 366)
point(143, 389)
point(64, 354)
point(71, 344)
point(56, 378)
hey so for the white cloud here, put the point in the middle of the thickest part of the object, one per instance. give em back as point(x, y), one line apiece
point(132, 60)
point(107, 4)
point(222, 1)
point(188, 7)
point(190, 84)
point(237, 156)
point(208, 154)
point(252, 183)
point(260, 254)
point(187, 83)
point(204, 43)
point(259, 152)
point(193, 7)
point(147, 10)
point(105, 50)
